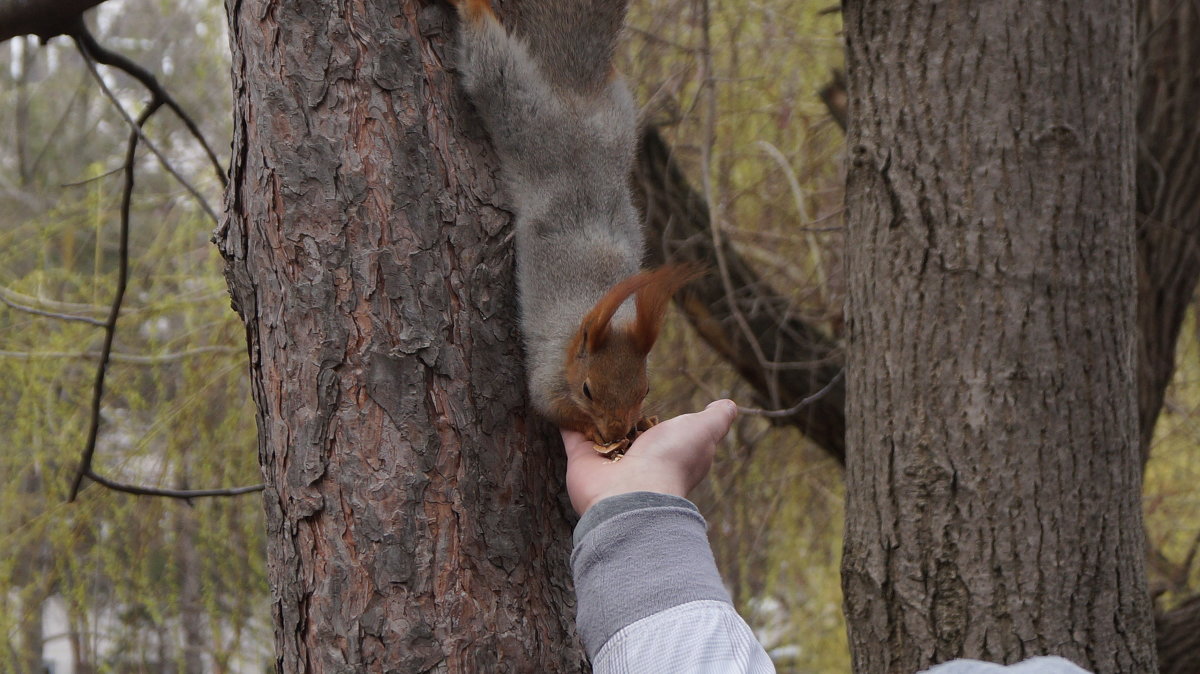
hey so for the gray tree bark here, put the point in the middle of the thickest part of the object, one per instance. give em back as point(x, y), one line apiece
point(993, 471)
point(416, 515)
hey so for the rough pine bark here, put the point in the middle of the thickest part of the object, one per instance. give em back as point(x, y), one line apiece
point(416, 516)
point(993, 471)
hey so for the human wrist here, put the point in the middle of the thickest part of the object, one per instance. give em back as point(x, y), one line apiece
point(610, 506)
point(674, 489)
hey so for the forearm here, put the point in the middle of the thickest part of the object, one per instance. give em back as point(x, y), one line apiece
point(649, 594)
point(650, 598)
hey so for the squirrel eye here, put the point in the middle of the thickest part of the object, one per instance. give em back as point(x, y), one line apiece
point(587, 391)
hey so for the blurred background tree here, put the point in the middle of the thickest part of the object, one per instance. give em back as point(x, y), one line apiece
point(125, 583)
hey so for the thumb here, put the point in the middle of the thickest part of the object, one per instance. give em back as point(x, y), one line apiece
point(576, 444)
point(716, 418)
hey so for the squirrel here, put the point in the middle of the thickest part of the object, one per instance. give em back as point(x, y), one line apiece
point(564, 125)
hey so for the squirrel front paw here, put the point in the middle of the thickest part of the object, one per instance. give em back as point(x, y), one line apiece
point(615, 450)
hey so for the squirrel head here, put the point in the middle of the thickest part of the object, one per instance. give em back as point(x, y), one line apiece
point(606, 363)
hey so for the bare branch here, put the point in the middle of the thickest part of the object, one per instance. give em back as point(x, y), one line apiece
point(110, 325)
point(49, 314)
point(92, 51)
point(1190, 559)
point(87, 181)
point(137, 129)
point(137, 72)
point(66, 307)
point(44, 18)
point(783, 414)
point(128, 358)
point(172, 493)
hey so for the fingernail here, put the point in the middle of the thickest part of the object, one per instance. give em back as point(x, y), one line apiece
point(729, 405)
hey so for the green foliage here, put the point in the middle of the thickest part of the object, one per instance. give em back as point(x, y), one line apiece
point(741, 110)
point(135, 579)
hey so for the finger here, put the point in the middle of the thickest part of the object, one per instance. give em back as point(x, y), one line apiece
point(718, 418)
point(725, 404)
point(577, 445)
point(710, 424)
point(571, 437)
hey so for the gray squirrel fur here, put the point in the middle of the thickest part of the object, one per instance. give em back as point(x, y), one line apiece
point(564, 126)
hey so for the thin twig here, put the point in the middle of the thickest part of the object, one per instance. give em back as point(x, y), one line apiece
point(1186, 568)
point(87, 181)
point(50, 314)
point(1162, 22)
point(53, 137)
point(655, 38)
point(805, 217)
point(137, 128)
point(66, 307)
point(172, 493)
point(137, 72)
point(813, 364)
point(777, 414)
point(127, 358)
point(110, 325)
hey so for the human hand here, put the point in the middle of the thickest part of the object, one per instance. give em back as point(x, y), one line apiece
point(670, 458)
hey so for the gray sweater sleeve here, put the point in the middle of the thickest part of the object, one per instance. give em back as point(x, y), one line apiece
point(643, 556)
point(636, 555)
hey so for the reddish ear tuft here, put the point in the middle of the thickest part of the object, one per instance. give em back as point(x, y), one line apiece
point(653, 288)
point(594, 329)
point(653, 298)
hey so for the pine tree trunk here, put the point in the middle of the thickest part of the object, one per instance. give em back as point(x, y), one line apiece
point(416, 514)
point(993, 470)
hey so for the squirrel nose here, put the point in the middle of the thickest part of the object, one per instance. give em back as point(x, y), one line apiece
point(615, 430)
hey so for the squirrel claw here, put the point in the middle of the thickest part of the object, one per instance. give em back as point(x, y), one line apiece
point(644, 424)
